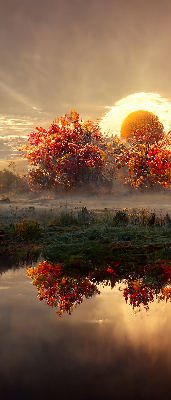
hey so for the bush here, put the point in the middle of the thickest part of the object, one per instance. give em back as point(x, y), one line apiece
point(121, 218)
point(64, 219)
point(28, 230)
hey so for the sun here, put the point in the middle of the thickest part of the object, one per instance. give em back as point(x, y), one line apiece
point(151, 102)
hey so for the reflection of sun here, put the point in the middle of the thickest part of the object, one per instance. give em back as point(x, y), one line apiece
point(152, 102)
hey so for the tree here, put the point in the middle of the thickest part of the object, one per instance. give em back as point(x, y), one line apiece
point(145, 168)
point(70, 152)
point(143, 126)
point(150, 168)
point(146, 152)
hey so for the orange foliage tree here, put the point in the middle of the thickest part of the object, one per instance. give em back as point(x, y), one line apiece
point(147, 151)
point(142, 125)
point(70, 152)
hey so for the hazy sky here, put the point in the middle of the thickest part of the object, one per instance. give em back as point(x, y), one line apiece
point(82, 54)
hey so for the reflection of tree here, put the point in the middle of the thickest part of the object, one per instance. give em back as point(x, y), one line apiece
point(64, 290)
point(142, 284)
point(153, 283)
point(59, 289)
point(138, 294)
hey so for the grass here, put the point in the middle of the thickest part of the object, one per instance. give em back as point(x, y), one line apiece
point(84, 238)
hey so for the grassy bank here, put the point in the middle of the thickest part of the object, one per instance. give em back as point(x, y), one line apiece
point(83, 238)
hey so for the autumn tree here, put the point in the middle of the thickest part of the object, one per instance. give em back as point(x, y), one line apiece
point(146, 151)
point(70, 152)
point(142, 126)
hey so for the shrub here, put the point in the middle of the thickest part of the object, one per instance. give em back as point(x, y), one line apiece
point(28, 230)
point(121, 218)
point(64, 219)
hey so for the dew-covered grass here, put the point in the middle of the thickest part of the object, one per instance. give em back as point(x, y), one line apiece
point(83, 237)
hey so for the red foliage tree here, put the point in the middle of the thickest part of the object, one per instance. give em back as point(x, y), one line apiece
point(70, 152)
point(147, 154)
point(142, 125)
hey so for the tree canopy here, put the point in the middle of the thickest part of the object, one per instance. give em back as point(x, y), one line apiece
point(143, 126)
point(146, 151)
point(70, 152)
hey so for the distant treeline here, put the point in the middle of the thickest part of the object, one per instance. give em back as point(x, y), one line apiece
point(12, 181)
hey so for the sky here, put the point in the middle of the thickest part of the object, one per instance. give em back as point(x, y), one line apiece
point(83, 54)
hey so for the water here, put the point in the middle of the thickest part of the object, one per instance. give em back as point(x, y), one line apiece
point(102, 351)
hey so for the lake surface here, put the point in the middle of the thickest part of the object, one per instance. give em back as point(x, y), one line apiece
point(103, 350)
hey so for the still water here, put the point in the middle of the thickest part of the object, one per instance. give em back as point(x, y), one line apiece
point(103, 350)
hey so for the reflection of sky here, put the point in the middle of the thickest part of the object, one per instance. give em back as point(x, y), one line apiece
point(101, 351)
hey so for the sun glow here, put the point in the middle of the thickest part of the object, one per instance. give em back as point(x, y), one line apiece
point(151, 102)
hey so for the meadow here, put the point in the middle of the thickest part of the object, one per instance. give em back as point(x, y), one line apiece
point(77, 235)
